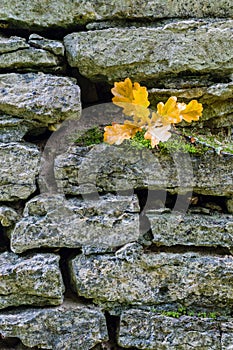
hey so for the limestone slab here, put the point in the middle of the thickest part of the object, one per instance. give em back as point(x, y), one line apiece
point(102, 167)
point(30, 280)
point(30, 59)
point(64, 14)
point(145, 54)
point(70, 326)
point(54, 46)
point(12, 129)
point(53, 221)
point(192, 229)
point(41, 97)
point(134, 278)
point(19, 168)
point(149, 331)
point(12, 43)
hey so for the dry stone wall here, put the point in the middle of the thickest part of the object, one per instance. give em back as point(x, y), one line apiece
point(104, 248)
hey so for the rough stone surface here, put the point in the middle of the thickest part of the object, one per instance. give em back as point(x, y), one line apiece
point(194, 230)
point(146, 330)
point(14, 129)
point(217, 100)
point(50, 14)
point(30, 280)
point(229, 204)
point(41, 97)
point(188, 279)
point(70, 326)
point(108, 168)
point(53, 221)
point(54, 46)
point(19, 168)
point(30, 59)
point(227, 330)
point(16, 53)
point(13, 43)
point(8, 216)
point(148, 53)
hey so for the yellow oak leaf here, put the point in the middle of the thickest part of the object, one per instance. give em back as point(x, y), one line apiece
point(192, 111)
point(156, 134)
point(126, 91)
point(140, 95)
point(169, 112)
point(123, 91)
point(117, 133)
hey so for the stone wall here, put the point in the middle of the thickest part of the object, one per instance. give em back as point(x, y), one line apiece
point(110, 250)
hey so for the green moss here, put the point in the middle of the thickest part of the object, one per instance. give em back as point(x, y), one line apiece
point(93, 136)
point(220, 141)
point(184, 312)
point(179, 142)
point(139, 142)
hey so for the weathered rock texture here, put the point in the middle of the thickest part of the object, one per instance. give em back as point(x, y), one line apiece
point(8, 216)
point(68, 327)
point(54, 46)
point(14, 129)
point(99, 168)
point(192, 230)
point(149, 331)
point(148, 53)
point(50, 14)
point(17, 54)
point(188, 279)
point(52, 221)
point(19, 168)
point(71, 213)
point(30, 280)
point(40, 97)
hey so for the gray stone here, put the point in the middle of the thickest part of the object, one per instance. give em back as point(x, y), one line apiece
point(17, 54)
point(40, 97)
point(30, 59)
point(229, 204)
point(102, 167)
point(19, 168)
point(30, 280)
point(70, 326)
point(68, 13)
point(13, 43)
point(14, 129)
point(54, 46)
point(227, 334)
point(192, 230)
point(8, 216)
point(188, 279)
point(144, 53)
point(149, 331)
point(52, 221)
point(220, 122)
point(217, 101)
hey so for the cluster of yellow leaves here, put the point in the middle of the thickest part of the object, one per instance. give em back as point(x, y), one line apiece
point(133, 98)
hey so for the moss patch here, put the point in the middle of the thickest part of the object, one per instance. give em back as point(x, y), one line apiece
point(93, 136)
point(191, 142)
point(184, 312)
